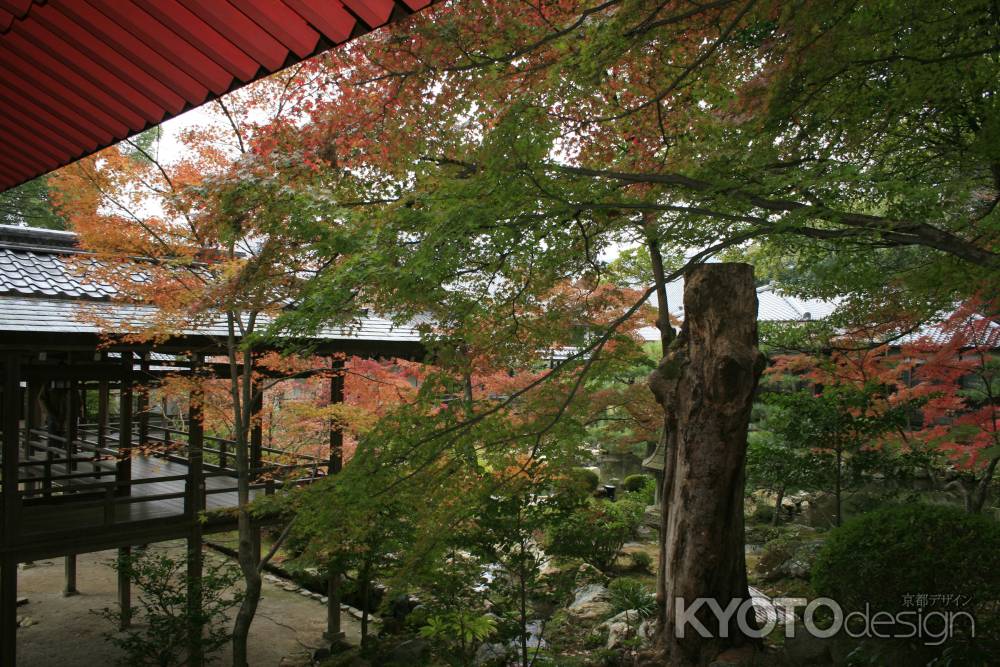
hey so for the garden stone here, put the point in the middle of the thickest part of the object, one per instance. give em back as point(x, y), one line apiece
point(735, 657)
point(804, 649)
point(588, 574)
point(534, 629)
point(490, 654)
point(590, 601)
point(410, 652)
point(621, 627)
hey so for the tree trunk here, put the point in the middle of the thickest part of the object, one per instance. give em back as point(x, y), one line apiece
point(248, 556)
point(776, 519)
point(981, 489)
point(705, 385)
point(364, 579)
point(838, 486)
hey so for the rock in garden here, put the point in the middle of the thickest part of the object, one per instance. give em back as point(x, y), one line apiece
point(804, 649)
point(735, 657)
point(590, 601)
point(622, 627)
point(410, 652)
point(588, 574)
point(491, 654)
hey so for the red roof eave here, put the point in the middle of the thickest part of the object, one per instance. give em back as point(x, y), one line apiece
point(77, 76)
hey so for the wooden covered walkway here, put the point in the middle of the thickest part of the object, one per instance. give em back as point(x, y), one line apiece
point(87, 463)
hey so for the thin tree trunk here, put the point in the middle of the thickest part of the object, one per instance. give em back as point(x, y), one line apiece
point(837, 486)
point(364, 579)
point(705, 385)
point(981, 492)
point(523, 597)
point(777, 507)
point(667, 443)
point(248, 550)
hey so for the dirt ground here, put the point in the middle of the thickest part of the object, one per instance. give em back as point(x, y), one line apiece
point(65, 633)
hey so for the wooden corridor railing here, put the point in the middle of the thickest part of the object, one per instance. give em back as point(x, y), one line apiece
point(74, 476)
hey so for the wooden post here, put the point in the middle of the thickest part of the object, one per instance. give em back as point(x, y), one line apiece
point(69, 568)
point(123, 471)
point(72, 423)
point(11, 507)
point(32, 421)
point(8, 611)
point(336, 432)
point(144, 400)
point(103, 399)
point(124, 590)
point(334, 630)
point(256, 428)
point(11, 445)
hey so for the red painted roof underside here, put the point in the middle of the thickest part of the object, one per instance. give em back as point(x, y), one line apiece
point(79, 75)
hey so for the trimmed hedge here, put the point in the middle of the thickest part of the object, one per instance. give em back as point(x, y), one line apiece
point(888, 557)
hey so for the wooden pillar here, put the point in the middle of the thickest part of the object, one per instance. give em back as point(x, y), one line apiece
point(8, 611)
point(11, 444)
point(123, 472)
point(32, 413)
point(12, 402)
point(334, 630)
point(71, 430)
point(69, 568)
point(336, 462)
point(124, 590)
point(103, 399)
point(256, 429)
point(143, 412)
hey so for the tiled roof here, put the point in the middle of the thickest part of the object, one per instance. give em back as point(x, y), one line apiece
point(772, 306)
point(42, 315)
point(34, 273)
point(40, 292)
point(979, 331)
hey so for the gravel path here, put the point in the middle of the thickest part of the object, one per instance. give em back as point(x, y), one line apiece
point(64, 632)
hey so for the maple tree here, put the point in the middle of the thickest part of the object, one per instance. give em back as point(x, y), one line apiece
point(30, 204)
point(932, 396)
point(204, 261)
point(466, 164)
point(956, 380)
point(482, 166)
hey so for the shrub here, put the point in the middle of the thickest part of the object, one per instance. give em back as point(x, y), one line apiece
point(587, 478)
point(641, 560)
point(160, 637)
point(627, 593)
point(595, 532)
point(763, 513)
point(634, 483)
point(889, 557)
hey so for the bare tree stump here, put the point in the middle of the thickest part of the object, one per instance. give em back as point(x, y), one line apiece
point(705, 384)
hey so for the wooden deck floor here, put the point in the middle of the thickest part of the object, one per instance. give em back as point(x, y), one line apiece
point(45, 518)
